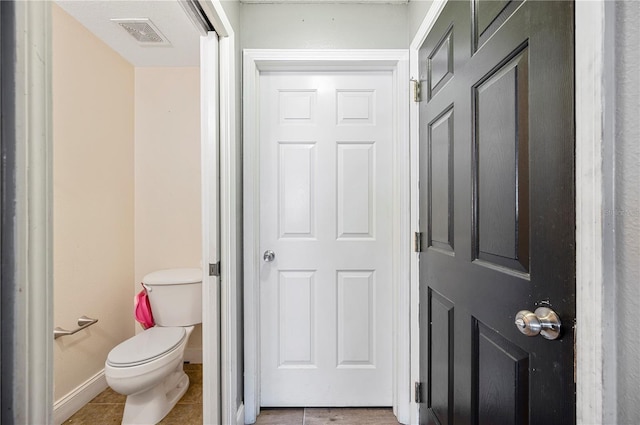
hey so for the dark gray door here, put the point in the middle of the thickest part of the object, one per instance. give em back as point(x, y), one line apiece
point(498, 214)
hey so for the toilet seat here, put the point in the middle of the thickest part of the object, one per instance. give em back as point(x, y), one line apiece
point(146, 347)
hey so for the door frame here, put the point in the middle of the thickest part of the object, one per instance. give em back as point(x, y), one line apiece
point(593, 350)
point(210, 216)
point(396, 61)
point(221, 348)
point(27, 254)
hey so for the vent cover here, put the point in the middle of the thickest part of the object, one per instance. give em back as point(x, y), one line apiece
point(144, 31)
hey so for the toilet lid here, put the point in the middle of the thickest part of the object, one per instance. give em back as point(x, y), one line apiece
point(146, 346)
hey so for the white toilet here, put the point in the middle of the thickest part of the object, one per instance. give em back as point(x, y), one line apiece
point(147, 368)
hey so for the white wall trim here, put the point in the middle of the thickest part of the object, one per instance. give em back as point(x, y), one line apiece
point(429, 20)
point(432, 15)
point(256, 61)
point(219, 402)
point(229, 188)
point(69, 404)
point(401, 242)
point(590, 314)
point(215, 12)
point(251, 291)
point(210, 161)
point(32, 277)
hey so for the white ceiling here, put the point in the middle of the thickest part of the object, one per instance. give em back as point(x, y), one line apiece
point(167, 15)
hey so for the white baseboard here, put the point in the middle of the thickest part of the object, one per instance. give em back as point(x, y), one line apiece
point(64, 408)
point(240, 415)
point(193, 355)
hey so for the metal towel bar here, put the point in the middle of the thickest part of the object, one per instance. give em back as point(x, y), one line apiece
point(83, 323)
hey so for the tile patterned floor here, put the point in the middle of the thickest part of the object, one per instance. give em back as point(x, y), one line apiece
point(108, 406)
point(327, 415)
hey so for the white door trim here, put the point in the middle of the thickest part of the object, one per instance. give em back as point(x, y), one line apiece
point(220, 389)
point(209, 153)
point(397, 61)
point(30, 274)
point(229, 223)
point(593, 363)
point(591, 315)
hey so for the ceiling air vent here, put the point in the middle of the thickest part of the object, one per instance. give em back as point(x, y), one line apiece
point(144, 31)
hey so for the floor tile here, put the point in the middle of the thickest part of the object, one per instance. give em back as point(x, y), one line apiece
point(108, 406)
point(194, 371)
point(349, 416)
point(109, 396)
point(281, 416)
point(97, 414)
point(184, 414)
point(193, 394)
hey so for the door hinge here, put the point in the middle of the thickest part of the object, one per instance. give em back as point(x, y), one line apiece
point(214, 269)
point(417, 88)
point(418, 392)
point(417, 242)
point(575, 351)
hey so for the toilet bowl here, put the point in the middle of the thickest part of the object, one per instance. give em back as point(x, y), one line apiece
point(147, 368)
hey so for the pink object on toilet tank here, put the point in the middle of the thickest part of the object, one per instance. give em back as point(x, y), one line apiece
point(143, 310)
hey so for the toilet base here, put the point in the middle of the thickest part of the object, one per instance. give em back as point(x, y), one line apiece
point(150, 406)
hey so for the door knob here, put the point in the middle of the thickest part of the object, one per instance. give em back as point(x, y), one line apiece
point(544, 322)
point(268, 256)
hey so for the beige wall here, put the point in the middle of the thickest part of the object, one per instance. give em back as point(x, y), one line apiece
point(167, 174)
point(126, 190)
point(93, 100)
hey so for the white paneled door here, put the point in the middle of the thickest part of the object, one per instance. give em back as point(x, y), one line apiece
point(325, 213)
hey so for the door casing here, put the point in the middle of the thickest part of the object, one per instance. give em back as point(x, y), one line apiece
point(220, 387)
point(592, 403)
point(396, 61)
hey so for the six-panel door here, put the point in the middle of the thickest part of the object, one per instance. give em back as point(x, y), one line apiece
point(497, 207)
point(325, 212)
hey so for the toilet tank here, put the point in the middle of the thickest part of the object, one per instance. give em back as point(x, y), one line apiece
point(175, 296)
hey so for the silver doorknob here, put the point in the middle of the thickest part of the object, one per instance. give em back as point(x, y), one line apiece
point(544, 322)
point(268, 256)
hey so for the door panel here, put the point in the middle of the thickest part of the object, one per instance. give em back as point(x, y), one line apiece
point(296, 330)
point(497, 206)
point(355, 187)
point(501, 158)
point(296, 186)
point(325, 210)
point(356, 326)
point(440, 182)
point(441, 362)
point(498, 365)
